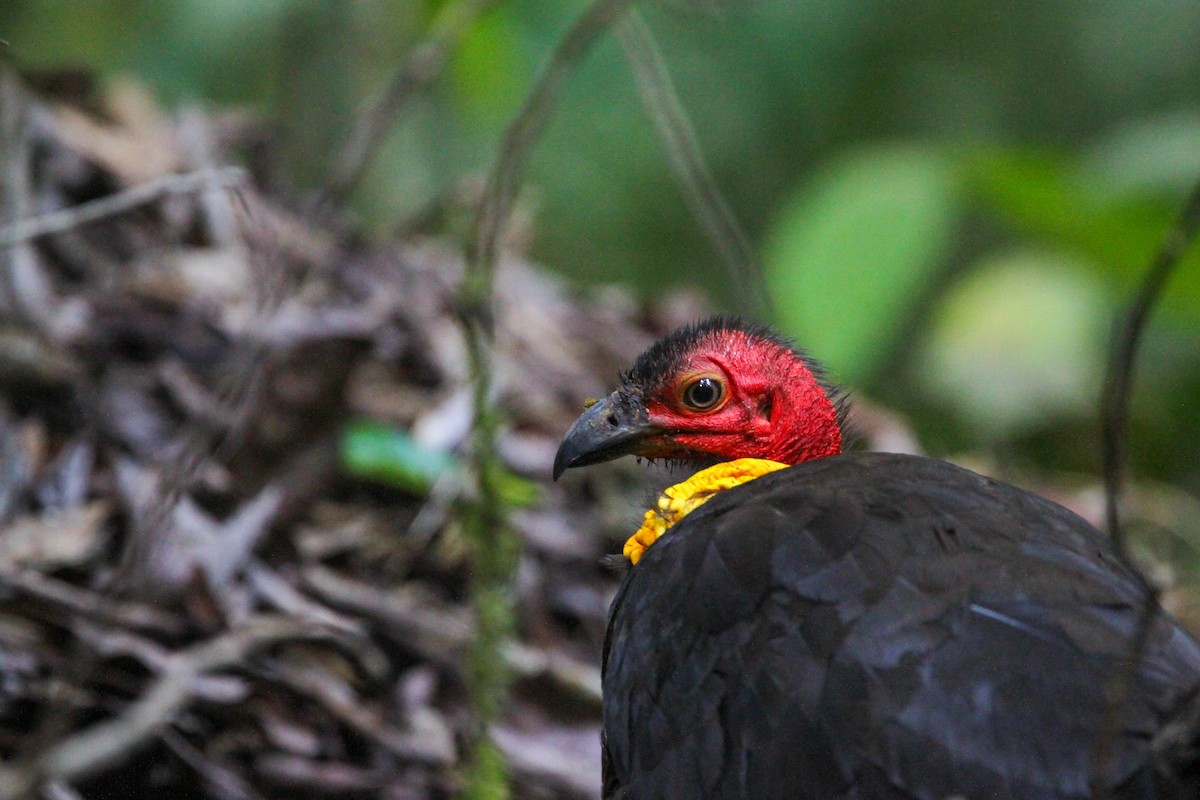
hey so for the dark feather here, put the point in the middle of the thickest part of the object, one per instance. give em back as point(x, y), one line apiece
point(881, 627)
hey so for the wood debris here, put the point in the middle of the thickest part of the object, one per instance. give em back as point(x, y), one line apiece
point(199, 597)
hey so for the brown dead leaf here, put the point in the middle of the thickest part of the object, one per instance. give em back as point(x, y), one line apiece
point(137, 149)
point(67, 537)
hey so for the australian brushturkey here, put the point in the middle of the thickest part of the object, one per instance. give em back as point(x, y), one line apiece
point(864, 625)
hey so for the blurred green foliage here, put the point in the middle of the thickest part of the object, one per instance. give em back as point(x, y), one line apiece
point(952, 198)
point(850, 256)
point(391, 456)
point(1046, 365)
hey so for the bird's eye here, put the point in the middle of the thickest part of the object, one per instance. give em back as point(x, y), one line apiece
point(703, 394)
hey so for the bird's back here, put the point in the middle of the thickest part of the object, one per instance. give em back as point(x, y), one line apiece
point(876, 626)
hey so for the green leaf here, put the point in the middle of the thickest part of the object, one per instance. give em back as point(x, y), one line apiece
point(488, 71)
point(1154, 156)
point(1045, 195)
point(849, 255)
point(390, 455)
point(1095, 211)
point(1018, 342)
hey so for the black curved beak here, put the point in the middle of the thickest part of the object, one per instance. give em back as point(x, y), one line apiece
point(615, 426)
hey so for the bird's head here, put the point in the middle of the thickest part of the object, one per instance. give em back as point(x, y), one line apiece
point(718, 390)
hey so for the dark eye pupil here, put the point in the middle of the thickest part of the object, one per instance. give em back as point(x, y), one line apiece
point(703, 393)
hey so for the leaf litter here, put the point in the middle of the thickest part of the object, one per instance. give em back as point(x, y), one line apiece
point(213, 581)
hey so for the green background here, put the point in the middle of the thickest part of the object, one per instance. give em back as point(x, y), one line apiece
point(952, 199)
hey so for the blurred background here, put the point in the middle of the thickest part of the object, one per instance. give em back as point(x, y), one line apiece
point(951, 199)
point(952, 203)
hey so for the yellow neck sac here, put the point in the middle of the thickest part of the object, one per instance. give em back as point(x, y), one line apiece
point(677, 501)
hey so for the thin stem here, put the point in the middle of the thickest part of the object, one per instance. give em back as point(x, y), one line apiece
point(492, 545)
point(1115, 401)
point(523, 133)
point(1114, 410)
point(419, 69)
point(700, 191)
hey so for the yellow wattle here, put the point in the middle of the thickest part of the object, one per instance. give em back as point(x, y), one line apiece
point(677, 501)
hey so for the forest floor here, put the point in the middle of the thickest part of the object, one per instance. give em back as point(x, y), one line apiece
point(230, 558)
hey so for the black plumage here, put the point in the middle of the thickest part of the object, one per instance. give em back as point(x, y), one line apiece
point(885, 627)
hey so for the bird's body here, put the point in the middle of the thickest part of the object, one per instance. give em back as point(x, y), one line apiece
point(881, 626)
point(866, 626)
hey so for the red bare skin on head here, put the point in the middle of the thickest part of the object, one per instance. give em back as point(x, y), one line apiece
point(771, 406)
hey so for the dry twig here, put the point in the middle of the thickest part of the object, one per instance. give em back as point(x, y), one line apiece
point(24, 230)
point(102, 744)
point(89, 604)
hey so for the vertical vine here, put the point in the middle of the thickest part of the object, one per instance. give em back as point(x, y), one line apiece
point(1114, 421)
point(493, 548)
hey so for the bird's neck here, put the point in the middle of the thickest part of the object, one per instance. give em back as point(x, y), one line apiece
point(805, 422)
